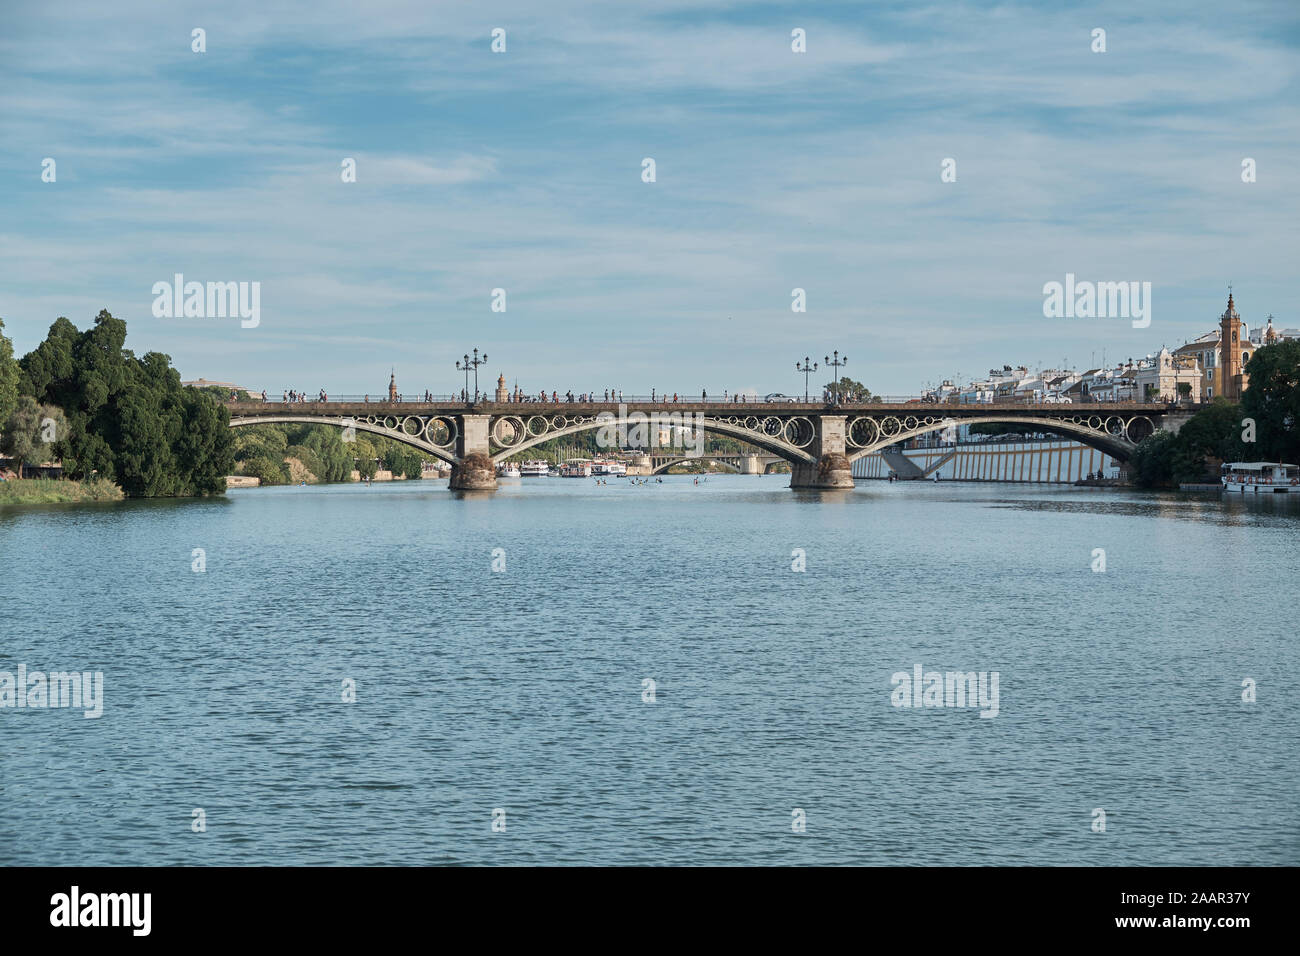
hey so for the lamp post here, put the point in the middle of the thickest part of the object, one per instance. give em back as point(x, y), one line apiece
point(805, 368)
point(835, 364)
point(472, 364)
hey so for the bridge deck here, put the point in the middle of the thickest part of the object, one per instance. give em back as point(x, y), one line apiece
point(715, 409)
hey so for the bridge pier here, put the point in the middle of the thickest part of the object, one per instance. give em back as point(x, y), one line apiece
point(831, 470)
point(474, 470)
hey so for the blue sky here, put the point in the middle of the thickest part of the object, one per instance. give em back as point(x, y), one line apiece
point(522, 170)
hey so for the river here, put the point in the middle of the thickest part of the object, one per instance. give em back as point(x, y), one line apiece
point(523, 689)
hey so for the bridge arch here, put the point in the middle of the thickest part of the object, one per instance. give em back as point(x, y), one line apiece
point(1118, 445)
point(359, 424)
point(767, 443)
point(663, 466)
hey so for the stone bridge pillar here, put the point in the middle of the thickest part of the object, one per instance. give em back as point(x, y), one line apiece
point(749, 465)
point(473, 470)
point(832, 467)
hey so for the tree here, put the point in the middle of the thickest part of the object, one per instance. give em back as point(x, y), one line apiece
point(404, 460)
point(8, 377)
point(1151, 465)
point(33, 432)
point(1209, 438)
point(1273, 400)
point(267, 471)
point(850, 391)
point(366, 458)
point(129, 420)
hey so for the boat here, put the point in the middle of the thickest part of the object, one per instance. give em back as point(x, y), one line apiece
point(614, 469)
point(576, 469)
point(510, 470)
point(1261, 477)
point(535, 469)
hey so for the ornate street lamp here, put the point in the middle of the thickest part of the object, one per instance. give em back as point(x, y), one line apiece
point(805, 368)
point(472, 364)
point(835, 364)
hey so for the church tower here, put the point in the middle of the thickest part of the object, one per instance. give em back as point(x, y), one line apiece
point(1230, 380)
point(392, 386)
point(502, 395)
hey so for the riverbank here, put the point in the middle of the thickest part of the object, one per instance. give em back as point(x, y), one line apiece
point(52, 491)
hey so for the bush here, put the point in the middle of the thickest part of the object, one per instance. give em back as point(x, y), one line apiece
point(267, 471)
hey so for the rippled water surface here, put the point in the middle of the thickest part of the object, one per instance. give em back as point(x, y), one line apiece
point(522, 689)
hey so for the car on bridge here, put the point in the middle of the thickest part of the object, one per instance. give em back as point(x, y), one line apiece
point(778, 397)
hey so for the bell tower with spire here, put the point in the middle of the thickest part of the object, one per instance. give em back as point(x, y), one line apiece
point(1231, 381)
point(392, 386)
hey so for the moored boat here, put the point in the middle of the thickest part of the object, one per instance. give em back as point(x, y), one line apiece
point(535, 469)
point(1261, 477)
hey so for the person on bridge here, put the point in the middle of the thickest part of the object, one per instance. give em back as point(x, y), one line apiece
point(704, 394)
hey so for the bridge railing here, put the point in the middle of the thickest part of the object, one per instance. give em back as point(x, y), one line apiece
point(599, 398)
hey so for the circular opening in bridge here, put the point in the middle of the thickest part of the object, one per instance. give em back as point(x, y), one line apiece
point(440, 431)
point(773, 426)
point(390, 423)
point(1094, 422)
point(508, 431)
point(799, 432)
point(1115, 425)
point(751, 423)
point(890, 427)
point(559, 421)
point(910, 422)
point(412, 425)
point(370, 419)
point(537, 426)
point(1139, 428)
point(862, 432)
point(733, 420)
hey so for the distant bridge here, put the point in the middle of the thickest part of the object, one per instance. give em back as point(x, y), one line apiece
point(819, 441)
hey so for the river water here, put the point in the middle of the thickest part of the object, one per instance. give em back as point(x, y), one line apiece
point(521, 690)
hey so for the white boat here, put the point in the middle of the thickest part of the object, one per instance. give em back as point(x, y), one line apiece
point(1261, 477)
point(510, 470)
point(614, 469)
point(576, 469)
point(535, 469)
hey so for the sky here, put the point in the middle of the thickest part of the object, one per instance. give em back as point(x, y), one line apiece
point(522, 171)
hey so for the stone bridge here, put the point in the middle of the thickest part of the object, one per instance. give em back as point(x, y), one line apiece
point(819, 441)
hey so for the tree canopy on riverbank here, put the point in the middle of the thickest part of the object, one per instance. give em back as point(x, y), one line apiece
point(1264, 427)
point(128, 420)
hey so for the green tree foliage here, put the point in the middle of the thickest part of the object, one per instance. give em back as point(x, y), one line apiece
point(1273, 401)
point(267, 470)
point(403, 460)
point(1151, 465)
point(1209, 438)
point(851, 391)
point(129, 419)
point(366, 458)
point(32, 432)
point(8, 377)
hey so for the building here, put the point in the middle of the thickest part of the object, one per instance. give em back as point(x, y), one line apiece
point(229, 386)
point(1234, 352)
point(1158, 379)
point(502, 394)
point(1204, 351)
point(1271, 336)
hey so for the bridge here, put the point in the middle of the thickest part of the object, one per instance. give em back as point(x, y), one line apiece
point(819, 441)
point(745, 463)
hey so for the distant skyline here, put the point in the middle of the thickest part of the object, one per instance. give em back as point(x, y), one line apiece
point(522, 171)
